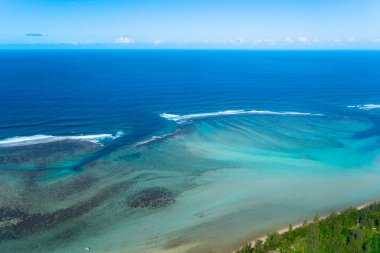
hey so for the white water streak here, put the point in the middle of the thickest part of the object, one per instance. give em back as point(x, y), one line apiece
point(183, 118)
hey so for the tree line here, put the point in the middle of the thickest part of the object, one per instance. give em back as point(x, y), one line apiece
point(352, 230)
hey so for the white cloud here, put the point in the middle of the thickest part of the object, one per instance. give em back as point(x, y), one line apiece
point(77, 43)
point(289, 40)
point(124, 40)
point(157, 42)
point(269, 41)
point(258, 41)
point(240, 41)
point(352, 40)
point(304, 39)
point(264, 42)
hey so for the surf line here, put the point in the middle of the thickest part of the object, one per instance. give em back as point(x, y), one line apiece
point(40, 139)
point(183, 118)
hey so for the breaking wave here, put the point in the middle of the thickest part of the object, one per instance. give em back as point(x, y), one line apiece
point(184, 118)
point(365, 107)
point(40, 139)
point(155, 138)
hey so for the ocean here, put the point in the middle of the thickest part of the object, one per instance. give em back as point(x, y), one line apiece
point(181, 150)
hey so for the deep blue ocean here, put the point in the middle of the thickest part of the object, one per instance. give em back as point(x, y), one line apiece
point(68, 92)
point(181, 150)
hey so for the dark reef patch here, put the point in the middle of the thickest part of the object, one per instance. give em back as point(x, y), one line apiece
point(77, 184)
point(45, 154)
point(155, 197)
point(29, 174)
point(16, 223)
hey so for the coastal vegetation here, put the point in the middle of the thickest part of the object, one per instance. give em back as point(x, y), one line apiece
point(352, 230)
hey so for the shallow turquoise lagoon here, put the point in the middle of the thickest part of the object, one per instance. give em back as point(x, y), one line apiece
point(216, 183)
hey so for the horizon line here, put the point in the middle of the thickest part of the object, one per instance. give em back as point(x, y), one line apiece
point(187, 49)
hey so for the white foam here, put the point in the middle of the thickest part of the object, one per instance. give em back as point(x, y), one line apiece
point(184, 118)
point(39, 139)
point(154, 138)
point(365, 107)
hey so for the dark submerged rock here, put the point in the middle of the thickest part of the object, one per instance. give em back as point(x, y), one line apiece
point(45, 154)
point(15, 223)
point(155, 197)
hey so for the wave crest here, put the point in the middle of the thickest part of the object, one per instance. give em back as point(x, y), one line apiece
point(155, 138)
point(365, 107)
point(184, 118)
point(40, 139)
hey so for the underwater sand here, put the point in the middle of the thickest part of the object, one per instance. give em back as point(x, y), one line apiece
point(209, 188)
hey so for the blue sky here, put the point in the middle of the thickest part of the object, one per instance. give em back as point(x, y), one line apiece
point(241, 24)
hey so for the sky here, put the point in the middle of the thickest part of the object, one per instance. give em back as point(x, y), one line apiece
point(162, 24)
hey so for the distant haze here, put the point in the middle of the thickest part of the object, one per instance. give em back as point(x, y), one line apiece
point(214, 24)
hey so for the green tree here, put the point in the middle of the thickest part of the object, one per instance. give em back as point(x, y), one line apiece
point(335, 243)
point(273, 241)
point(258, 247)
point(245, 249)
point(356, 240)
point(313, 241)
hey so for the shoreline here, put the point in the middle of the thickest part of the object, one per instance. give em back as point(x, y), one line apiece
point(298, 225)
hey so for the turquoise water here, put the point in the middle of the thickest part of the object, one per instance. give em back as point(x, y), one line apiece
point(221, 149)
